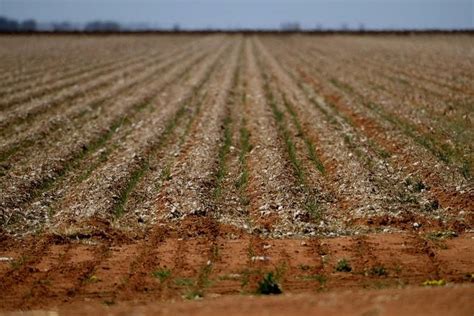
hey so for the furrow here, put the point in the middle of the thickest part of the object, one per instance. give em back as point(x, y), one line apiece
point(333, 149)
point(83, 109)
point(232, 173)
point(41, 86)
point(405, 194)
point(451, 154)
point(40, 92)
point(26, 113)
point(189, 190)
point(129, 163)
point(275, 198)
point(301, 153)
point(76, 63)
point(139, 206)
point(119, 113)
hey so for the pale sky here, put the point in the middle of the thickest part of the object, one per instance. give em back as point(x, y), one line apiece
point(374, 14)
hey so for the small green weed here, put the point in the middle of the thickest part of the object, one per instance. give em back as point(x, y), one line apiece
point(378, 271)
point(440, 282)
point(223, 153)
point(419, 186)
point(431, 206)
point(92, 279)
point(166, 173)
point(162, 274)
point(415, 185)
point(343, 266)
point(313, 208)
point(268, 285)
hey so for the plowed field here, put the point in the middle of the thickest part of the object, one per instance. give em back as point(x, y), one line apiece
point(137, 169)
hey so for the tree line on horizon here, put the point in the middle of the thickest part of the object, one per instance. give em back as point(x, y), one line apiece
point(9, 25)
point(30, 25)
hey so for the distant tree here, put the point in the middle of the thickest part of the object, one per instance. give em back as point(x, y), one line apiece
point(28, 25)
point(11, 25)
point(290, 26)
point(176, 27)
point(63, 27)
point(102, 26)
point(8, 25)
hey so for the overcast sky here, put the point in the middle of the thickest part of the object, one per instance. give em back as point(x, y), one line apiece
point(375, 14)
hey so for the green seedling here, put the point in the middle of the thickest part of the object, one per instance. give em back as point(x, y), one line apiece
point(268, 285)
point(378, 271)
point(343, 266)
point(162, 274)
point(440, 282)
point(431, 206)
point(92, 279)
